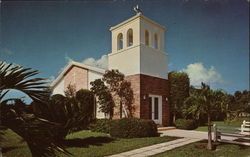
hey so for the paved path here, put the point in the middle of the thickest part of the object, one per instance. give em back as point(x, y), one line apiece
point(189, 136)
point(157, 148)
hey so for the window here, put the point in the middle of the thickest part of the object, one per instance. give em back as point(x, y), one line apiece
point(150, 107)
point(120, 41)
point(156, 109)
point(146, 38)
point(156, 41)
point(130, 37)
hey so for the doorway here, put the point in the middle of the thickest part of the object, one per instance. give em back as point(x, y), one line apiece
point(155, 105)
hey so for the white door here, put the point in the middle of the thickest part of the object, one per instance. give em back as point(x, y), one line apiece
point(155, 103)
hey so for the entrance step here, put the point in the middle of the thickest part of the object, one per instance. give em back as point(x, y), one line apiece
point(166, 128)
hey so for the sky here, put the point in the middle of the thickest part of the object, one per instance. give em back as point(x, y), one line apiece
point(208, 39)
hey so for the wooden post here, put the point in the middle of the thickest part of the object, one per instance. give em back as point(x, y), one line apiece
point(242, 127)
point(215, 132)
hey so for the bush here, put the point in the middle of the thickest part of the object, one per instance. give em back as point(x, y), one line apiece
point(73, 113)
point(101, 125)
point(133, 128)
point(187, 124)
point(86, 102)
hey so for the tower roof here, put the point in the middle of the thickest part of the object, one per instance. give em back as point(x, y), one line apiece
point(140, 16)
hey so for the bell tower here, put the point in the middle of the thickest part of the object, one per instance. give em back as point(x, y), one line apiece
point(138, 47)
point(138, 52)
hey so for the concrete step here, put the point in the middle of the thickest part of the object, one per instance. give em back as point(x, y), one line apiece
point(166, 128)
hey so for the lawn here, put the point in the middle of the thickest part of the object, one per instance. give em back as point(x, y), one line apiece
point(12, 145)
point(83, 143)
point(222, 150)
point(236, 123)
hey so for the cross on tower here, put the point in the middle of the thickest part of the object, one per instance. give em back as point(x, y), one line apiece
point(137, 9)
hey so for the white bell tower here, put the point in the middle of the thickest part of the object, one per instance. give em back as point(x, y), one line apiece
point(138, 52)
point(138, 47)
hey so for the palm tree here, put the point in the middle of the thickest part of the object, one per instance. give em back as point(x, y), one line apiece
point(35, 131)
point(16, 77)
point(203, 102)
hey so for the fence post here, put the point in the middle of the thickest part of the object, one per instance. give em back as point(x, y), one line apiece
point(242, 126)
point(215, 132)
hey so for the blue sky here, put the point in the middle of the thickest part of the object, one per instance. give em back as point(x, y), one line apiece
point(209, 39)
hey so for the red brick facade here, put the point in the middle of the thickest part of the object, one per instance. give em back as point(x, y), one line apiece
point(76, 76)
point(136, 86)
point(143, 86)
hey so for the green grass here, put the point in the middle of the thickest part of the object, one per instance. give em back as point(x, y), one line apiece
point(13, 146)
point(222, 150)
point(83, 143)
point(236, 123)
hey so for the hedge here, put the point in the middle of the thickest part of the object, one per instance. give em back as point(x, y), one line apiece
point(101, 125)
point(187, 124)
point(133, 128)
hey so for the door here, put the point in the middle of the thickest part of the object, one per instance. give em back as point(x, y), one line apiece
point(155, 106)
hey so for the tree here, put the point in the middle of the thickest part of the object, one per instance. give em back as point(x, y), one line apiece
point(16, 78)
point(241, 100)
point(35, 131)
point(179, 91)
point(104, 97)
point(120, 90)
point(85, 100)
point(218, 112)
point(237, 103)
point(114, 88)
point(73, 112)
point(204, 101)
point(126, 95)
point(70, 92)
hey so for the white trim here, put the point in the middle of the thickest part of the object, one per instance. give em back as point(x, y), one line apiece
point(159, 120)
point(141, 44)
point(125, 49)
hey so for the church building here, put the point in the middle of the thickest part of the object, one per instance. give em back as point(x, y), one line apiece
point(137, 52)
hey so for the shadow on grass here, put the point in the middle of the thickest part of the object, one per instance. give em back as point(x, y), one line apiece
point(203, 144)
point(86, 142)
point(7, 149)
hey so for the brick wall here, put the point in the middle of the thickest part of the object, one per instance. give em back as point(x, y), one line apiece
point(76, 76)
point(143, 86)
point(154, 86)
point(135, 84)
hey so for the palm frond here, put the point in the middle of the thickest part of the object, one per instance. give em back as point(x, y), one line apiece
point(18, 78)
point(37, 132)
point(3, 94)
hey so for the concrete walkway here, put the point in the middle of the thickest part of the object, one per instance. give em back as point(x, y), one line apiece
point(189, 136)
point(157, 148)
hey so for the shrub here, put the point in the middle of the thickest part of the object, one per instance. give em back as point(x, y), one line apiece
point(73, 113)
point(187, 124)
point(132, 128)
point(101, 125)
point(86, 102)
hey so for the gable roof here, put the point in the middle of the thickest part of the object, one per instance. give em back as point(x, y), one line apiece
point(71, 64)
